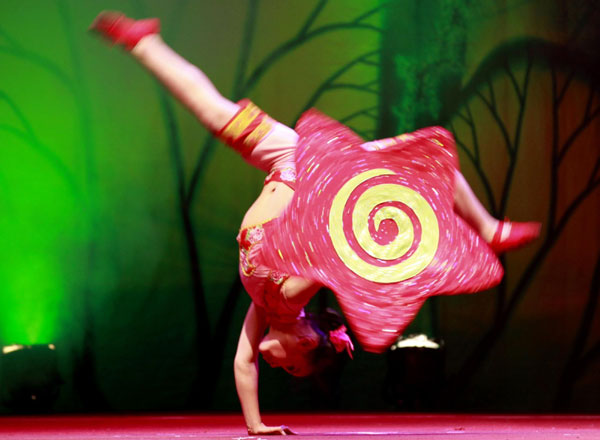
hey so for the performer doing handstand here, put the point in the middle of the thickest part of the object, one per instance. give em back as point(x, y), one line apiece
point(277, 298)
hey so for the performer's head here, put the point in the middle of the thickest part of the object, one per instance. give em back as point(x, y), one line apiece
point(304, 347)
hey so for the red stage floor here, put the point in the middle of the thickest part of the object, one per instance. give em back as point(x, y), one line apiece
point(308, 426)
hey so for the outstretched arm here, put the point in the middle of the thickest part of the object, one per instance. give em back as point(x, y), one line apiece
point(246, 373)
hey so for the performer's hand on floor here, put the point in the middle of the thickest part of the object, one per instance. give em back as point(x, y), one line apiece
point(271, 430)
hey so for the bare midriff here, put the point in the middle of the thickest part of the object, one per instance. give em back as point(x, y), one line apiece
point(271, 202)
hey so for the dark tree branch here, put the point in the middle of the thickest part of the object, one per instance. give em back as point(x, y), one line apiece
point(584, 124)
point(476, 163)
point(475, 138)
point(42, 62)
point(47, 154)
point(364, 112)
point(463, 146)
point(328, 83)
point(565, 87)
point(486, 344)
point(86, 377)
point(291, 44)
point(373, 112)
point(365, 134)
point(516, 142)
point(358, 87)
point(555, 162)
point(589, 312)
point(492, 93)
point(574, 205)
point(590, 100)
point(83, 102)
point(11, 41)
point(514, 82)
point(312, 17)
point(371, 63)
point(199, 168)
point(587, 119)
point(217, 344)
point(246, 47)
point(577, 361)
point(551, 237)
point(468, 121)
point(543, 52)
point(370, 12)
point(202, 321)
point(238, 92)
point(498, 120)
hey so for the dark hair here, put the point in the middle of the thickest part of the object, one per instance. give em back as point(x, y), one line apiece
point(324, 356)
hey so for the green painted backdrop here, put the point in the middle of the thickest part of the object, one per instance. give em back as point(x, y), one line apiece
point(118, 213)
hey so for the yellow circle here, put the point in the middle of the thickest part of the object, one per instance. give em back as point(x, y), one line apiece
point(371, 198)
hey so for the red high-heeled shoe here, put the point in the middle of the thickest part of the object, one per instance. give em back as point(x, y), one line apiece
point(520, 234)
point(119, 29)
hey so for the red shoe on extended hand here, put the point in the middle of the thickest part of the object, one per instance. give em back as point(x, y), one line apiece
point(120, 29)
point(518, 236)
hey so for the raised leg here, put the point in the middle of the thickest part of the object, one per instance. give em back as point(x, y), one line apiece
point(468, 206)
point(502, 236)
point(184, 80)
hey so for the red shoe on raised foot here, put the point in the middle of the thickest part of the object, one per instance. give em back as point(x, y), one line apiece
point(120, 29)
point(519, 235)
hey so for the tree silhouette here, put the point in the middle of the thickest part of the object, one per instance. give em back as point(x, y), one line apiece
point(405, 91)
point(532, 59)
point(580, 359)
point(245, 80)
point(83, 193)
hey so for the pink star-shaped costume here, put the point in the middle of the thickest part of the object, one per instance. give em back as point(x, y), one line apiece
point(378, 227)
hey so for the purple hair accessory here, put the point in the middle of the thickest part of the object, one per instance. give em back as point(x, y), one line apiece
point(341, 341)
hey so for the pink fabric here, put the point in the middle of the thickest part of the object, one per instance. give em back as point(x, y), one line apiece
point(270, 146)
point(263, 142)
point(262, 283)
point(287, 176)
point(341, 341)
point(336, 178)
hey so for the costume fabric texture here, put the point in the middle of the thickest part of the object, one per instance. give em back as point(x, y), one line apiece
point(263, 142)
point(262, 283)
point(267, 145)
point(377, 227)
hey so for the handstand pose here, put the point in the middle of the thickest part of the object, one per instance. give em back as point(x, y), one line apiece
point(291, 339)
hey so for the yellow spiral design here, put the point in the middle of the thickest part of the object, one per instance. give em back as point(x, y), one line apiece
point(365, 204)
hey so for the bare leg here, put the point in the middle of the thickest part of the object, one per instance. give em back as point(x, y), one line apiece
point(185, 81)
point(468, 206)
point(501, 235)
point(193, 88)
